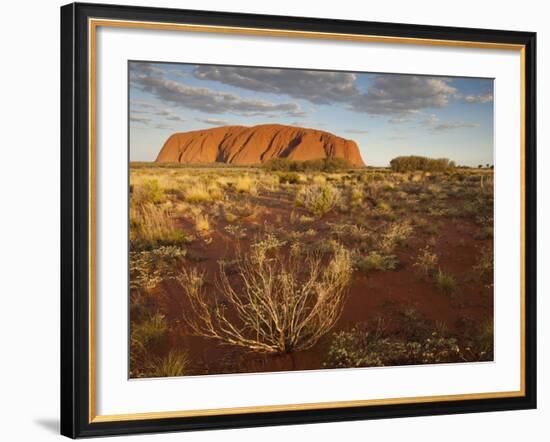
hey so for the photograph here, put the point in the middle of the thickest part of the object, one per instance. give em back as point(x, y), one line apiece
point(277, 220)
point(286, 219)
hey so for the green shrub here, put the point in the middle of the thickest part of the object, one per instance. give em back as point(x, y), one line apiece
point(320, 165)
point(375, 261)
point(362, 348)
point(414, 163)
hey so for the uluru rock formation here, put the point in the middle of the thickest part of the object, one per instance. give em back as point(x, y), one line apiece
point(256, 144)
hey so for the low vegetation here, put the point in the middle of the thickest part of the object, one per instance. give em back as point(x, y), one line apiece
point(153, 226)
point(422, 341)
point(426, 261)
point(417, 163)
point(446, 283)
point(319, 199)
point(375, 261)
point(321, 165)
point(242, 269)
point(271, 304)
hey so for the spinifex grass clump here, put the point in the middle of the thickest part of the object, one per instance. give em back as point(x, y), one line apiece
point(144, 336)
point(375, 261)
point(148, 191)
point(246, 184)
point(153, 226)
point(173, 364)
point(446, 283)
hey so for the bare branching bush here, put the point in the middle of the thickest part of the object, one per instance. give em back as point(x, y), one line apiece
point(270, 303)
point(319, 199)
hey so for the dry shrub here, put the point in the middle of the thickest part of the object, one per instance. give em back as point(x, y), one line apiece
point(394, 235)
point(272, 303)
point(356, 197)
point(319, 199)
point(426, 261)
point(152, 226)
point(149, 267)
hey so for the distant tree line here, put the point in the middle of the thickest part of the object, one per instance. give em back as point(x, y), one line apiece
point(413, 163)
point(321, 165)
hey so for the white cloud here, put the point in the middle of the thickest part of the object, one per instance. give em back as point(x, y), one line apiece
point(431, 120)
point(484, 98)
point(207, 100)
point(214, 121)
point(403, 95)
point(319, 87)
point(356, 131)
point(453, 125)
point(139, 119)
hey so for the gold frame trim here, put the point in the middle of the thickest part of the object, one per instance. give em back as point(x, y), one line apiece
point(93, 24)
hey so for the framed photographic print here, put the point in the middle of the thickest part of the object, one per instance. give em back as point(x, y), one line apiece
point(278, 220)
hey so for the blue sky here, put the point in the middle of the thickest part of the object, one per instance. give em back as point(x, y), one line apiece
point(386, 114)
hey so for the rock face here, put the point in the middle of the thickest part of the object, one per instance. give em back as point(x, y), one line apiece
point(257, 144)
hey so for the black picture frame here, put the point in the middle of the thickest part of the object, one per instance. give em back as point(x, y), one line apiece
point(75, 220)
